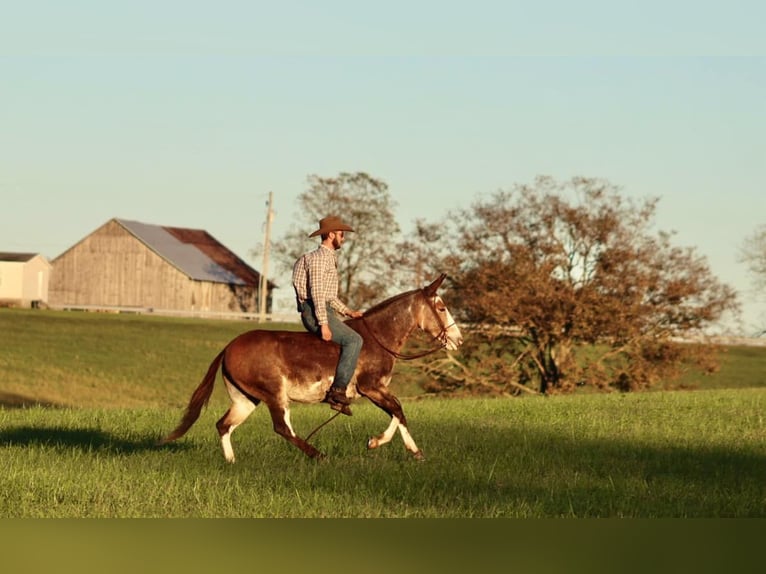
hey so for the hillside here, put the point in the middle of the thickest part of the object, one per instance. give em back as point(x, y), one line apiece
point(80, 359)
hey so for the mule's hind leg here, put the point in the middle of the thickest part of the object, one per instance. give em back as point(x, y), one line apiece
point(383, 399)
point(280, 416)
point(241, 408)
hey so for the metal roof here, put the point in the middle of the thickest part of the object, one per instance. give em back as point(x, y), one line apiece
point(17, 257)
point(194, 252)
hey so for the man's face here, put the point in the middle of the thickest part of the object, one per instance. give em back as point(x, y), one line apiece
point(338, 238)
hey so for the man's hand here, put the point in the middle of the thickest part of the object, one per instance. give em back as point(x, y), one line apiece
point(326, 333)
point(355, 314)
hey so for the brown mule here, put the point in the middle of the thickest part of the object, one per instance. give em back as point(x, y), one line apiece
point(280, 367)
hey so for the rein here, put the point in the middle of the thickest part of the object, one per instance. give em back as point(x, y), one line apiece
point(312, 433)
point(397, 354)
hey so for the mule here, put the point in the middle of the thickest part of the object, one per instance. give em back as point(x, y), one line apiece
point(280, 367)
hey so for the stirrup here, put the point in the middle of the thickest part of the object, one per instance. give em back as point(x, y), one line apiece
point(337, 395)
point(341, 408)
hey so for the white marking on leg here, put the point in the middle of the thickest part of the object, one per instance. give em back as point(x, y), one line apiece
point(387, 435)
point(228, 451)
point(287, 421)
point(241, 408)
point(409, 443)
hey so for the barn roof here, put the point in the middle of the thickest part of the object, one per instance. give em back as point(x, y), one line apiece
point(194, 252)
point(17, 257)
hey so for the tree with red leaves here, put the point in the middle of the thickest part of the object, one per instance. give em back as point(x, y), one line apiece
point(563, 284)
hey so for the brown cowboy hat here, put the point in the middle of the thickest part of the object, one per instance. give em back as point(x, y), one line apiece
point(331, 223)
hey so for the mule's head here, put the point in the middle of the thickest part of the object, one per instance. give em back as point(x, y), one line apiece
point(436, 320)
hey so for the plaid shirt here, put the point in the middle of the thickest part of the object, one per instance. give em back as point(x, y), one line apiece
point(315, 277)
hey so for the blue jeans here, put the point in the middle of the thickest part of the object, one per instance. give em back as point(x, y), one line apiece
point(349, 340)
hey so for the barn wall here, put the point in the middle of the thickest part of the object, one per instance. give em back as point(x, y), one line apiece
point(207, 296)
point(111, 267)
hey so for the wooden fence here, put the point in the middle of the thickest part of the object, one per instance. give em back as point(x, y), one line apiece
point(263, 318)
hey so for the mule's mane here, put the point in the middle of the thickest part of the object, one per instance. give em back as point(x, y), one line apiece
point(383, 305)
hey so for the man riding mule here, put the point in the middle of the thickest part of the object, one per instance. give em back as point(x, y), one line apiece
point(315, 279)
point(280, 367)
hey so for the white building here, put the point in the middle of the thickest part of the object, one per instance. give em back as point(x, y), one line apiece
point(24, 279)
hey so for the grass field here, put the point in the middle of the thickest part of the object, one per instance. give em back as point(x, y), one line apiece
point(651, 455)
point(86, 396)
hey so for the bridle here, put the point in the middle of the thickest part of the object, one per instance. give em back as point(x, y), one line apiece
point(441, 336)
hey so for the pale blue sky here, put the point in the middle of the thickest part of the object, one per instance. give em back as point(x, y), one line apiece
point(189, 113)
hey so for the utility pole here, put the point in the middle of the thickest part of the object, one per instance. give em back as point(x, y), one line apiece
point(264, 283)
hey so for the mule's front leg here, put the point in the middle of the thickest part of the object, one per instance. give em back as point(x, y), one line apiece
point(385, 437)
point(388, 434)
point(383, 399)
point(409, 443)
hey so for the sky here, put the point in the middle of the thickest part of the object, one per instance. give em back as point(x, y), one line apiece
point(188, 113)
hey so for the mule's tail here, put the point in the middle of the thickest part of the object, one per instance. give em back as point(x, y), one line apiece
point(199, 399)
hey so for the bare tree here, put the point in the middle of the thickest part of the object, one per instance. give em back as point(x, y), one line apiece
point(366, 261)
point(421, 255)
point(753, 253)
point(564, 284)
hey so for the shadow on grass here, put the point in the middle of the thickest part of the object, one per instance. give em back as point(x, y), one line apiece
point(14, 401)
point(86, 439)
point(557, 476)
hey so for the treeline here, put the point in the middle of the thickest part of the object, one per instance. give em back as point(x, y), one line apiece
point(561, 284)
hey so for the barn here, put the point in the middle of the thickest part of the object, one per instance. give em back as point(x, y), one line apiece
point(24, 279)
point(129, 264)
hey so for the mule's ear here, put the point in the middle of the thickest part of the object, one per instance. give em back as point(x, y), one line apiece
point(431, 289)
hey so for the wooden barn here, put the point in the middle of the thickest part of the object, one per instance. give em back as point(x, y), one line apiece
point(137, 265)
point(24, 279)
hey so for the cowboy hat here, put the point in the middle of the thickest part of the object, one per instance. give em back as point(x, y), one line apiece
point(331, 223)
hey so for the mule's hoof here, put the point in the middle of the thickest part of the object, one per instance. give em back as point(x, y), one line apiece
point(419, 455)
point(372, 443)
point(313, 453)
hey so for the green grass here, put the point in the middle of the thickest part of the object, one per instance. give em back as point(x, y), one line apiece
point(741, 367)
point(104, 360)
point(85, 397)
point(649, 455)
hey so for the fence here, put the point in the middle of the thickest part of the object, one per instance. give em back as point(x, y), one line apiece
point(263, 318)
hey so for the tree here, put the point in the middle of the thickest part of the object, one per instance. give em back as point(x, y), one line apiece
point(420, 257)
point(753, 253)
point(366, 262)
point(563, 284)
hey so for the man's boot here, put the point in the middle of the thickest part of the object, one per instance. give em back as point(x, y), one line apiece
point(337, 399)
